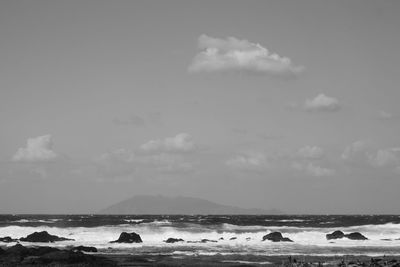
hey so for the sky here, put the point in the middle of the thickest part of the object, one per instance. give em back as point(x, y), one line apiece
point(260, 104)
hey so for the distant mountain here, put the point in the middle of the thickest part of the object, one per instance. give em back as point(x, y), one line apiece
point(177, 205)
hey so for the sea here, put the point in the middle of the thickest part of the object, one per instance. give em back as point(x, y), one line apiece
point(227, 234)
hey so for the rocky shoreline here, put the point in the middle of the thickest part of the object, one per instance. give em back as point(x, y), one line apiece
point(19, 255)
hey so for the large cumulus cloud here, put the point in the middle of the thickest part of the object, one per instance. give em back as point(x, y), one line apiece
point(232, 54)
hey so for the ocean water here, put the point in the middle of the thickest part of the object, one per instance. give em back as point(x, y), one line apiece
point(307, 232)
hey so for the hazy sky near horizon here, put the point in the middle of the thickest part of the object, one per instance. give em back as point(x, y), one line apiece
point(266, 104)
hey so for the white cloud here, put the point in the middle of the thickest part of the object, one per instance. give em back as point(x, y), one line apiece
point(37, 149)
point(322, 103)
point(357, 149)
point(182, 142)
point(252, 161)
point(389, 157)
point(232, 54)
point(311, 152)
point(312, 169)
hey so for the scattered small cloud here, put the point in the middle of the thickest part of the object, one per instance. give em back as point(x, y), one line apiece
point(362, 152)
point(322, 103)
point(232, 54)
point(310, 152)
point(308, 160)
point(163, 156)
point(312, 169)
point(37, 149)
point(182, 142)
point(252, 161)
point(384, 115)
point(124, 163)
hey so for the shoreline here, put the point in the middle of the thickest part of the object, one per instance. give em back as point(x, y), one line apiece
point(250, 260)
point(20, 255)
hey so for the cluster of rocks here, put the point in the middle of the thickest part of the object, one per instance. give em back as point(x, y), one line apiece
point(43, 237)
point(19, 255)
point(340, 235)
point(133, 237)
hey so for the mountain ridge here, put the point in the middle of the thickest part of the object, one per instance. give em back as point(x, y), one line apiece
point(179, 205)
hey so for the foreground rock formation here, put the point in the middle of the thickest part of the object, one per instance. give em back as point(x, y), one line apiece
point(20, 255)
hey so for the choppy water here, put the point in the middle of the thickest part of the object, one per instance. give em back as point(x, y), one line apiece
point(307, 232)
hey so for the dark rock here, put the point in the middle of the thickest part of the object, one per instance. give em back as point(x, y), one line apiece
point(43, 237)
point(356, 236)
point(232, 238)
point(7, 239)
point(335, 235)
point(174, 240)
point(276, 237)
point(221, 238)
point(84, 249)
point(128, 238)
